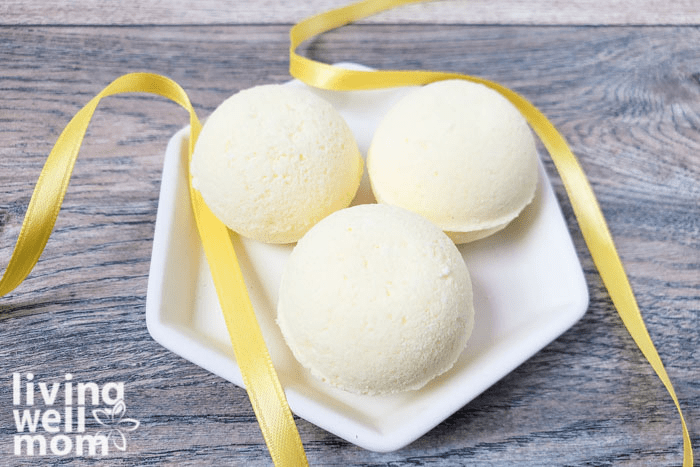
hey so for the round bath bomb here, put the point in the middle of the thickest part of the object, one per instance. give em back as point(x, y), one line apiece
point(376, 299)
point(457, 153)
point(273, 160)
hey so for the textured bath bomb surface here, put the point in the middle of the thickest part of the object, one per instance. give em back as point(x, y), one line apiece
point(375, 299)
point(273, 160)
point(457, 153)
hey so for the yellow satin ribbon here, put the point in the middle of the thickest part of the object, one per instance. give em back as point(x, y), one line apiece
point(590, 217)
point(264, 390)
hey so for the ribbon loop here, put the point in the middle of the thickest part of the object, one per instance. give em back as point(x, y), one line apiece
point(583, 201)
point(265, 392)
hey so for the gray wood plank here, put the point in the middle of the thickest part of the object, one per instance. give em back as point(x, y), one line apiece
point(202, 12)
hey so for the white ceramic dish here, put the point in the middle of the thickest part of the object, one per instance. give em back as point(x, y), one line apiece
point(528, 289)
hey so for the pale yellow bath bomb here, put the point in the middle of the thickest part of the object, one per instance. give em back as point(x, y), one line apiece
point(273, 160)
point(457, 153)
point(376, 299)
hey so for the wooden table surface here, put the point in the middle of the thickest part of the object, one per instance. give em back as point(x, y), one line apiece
point(626, 95)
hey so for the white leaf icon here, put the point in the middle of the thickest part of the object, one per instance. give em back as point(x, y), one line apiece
point(113, 419)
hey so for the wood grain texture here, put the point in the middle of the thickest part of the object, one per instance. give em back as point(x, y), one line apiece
point(626, 98)
point(584, 12)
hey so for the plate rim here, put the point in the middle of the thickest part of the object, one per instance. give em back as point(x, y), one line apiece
point(179, 341)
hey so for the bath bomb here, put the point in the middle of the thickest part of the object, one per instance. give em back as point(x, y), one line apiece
point(376, 299)
point(273, 160)
point(459, 154)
